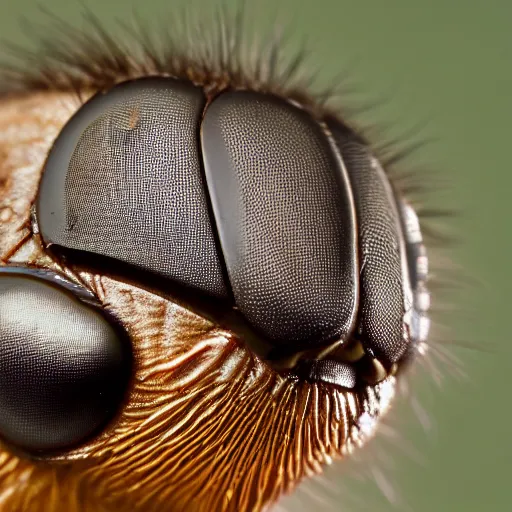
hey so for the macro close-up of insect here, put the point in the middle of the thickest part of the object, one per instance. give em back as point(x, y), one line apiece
point(235, 272)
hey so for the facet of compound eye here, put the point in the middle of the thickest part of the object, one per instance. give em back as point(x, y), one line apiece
point(123, 180)
point(328, 371)
point(386, 297)
point(285, 218)
point(64, 366)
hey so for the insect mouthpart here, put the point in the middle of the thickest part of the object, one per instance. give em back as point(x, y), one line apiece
point(251, 201)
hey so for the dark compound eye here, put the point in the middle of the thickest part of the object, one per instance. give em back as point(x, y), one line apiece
point(64, 366)
point(285, 215)
point(124, 180)
point(247, 198)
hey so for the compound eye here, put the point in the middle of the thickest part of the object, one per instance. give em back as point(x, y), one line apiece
point(309, 226)
point(285, 216)
point(386, 305)
point(244, 197)
point(123, 180)
point(64, 366)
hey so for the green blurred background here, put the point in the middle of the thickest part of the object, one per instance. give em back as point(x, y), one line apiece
point(447, 67)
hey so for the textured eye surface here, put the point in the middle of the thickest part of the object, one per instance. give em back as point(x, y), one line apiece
point(285, 216)
point(123, 180)
point(64, 367)
point(304, 214)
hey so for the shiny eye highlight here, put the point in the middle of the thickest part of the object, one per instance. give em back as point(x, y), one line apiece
point(64, 366)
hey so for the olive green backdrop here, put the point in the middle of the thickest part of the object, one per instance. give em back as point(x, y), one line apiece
point(447, 67)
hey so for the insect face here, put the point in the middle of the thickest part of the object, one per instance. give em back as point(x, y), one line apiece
point(240, 280)
point(65, 366)
point(245, 198)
